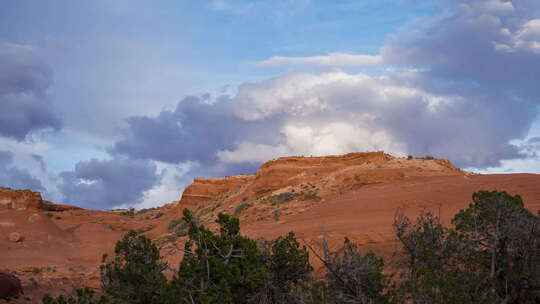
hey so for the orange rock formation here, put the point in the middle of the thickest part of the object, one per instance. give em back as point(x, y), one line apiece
point(354, 195)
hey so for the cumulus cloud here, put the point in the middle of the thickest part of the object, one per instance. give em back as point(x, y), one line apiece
point(464, 86)
point(100, 184)
point(333, 113)
point(473, 46)
point(194, 131)
point(464, 99)
point(24, 81)
point(392, 113)
point(16, 178)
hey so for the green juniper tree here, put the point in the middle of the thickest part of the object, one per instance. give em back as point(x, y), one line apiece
point(217, 268)
point(135, 275)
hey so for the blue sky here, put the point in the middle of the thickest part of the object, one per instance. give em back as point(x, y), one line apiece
point(95, 92)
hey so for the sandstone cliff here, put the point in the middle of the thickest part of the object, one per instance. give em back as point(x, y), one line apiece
point(20, 199)
point(329, 174)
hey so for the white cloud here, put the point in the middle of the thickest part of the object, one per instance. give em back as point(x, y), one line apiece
point(247, 152)
point(400, 112)
point(339, 138)
point(332, 59)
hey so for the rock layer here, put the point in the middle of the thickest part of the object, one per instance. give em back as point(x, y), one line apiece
point(20, 199)
point(331, 173)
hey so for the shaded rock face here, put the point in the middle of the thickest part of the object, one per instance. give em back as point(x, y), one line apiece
point(10, 285)
point(50, 206)
point(20, 199)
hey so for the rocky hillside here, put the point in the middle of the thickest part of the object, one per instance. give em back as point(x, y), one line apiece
point(303, 182)
point(52, 247)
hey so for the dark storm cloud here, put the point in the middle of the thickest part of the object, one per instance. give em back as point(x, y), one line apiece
point(101, 184)
point(16, 178)
point(194, 131)
point(24, 80)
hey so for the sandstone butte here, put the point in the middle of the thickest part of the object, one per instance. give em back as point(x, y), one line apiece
point(355, 195)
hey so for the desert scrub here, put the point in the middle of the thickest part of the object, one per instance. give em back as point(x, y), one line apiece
point(308, 196)
point(241, 208)
point(143, 230)
point(164, 239)
point(277, 214)
point(281, 198)
point(49, 214)
point(130, 212)
point(178, 226)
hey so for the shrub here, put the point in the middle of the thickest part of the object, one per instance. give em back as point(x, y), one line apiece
point(178, 227)
point(288, 271)
point(241, 208)
point(277, 214)
point(309, 196)
point(135, 274)
point(352, 277)
point(281, 198)
point(217, 268)
point(130, 212)
point(491, 256)
point(81, 296)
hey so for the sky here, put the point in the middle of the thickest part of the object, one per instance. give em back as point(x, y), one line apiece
point(121, 103)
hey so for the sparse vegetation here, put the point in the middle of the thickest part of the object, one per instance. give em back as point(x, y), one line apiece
point(280, 198)
point(49, 214)
point(241, 208)
point(276, 214)
point(491, 254)
point(130, 212)
point(43, 269)
point(178, 226)
point(80, 296)
point(308, 196)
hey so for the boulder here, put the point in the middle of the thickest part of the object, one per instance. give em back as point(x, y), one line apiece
point(10, 285)
point(34, 217)
point(15, 237)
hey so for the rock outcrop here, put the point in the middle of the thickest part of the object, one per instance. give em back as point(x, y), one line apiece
point(50, 206)
point(15, 237)
point(20, 199)
point(10, 285)
point(331, 173)
point(206, 189)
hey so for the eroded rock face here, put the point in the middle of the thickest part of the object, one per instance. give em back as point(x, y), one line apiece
point(333, 173)
point(10, 285)
point(20, 199)
point(205, 189)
